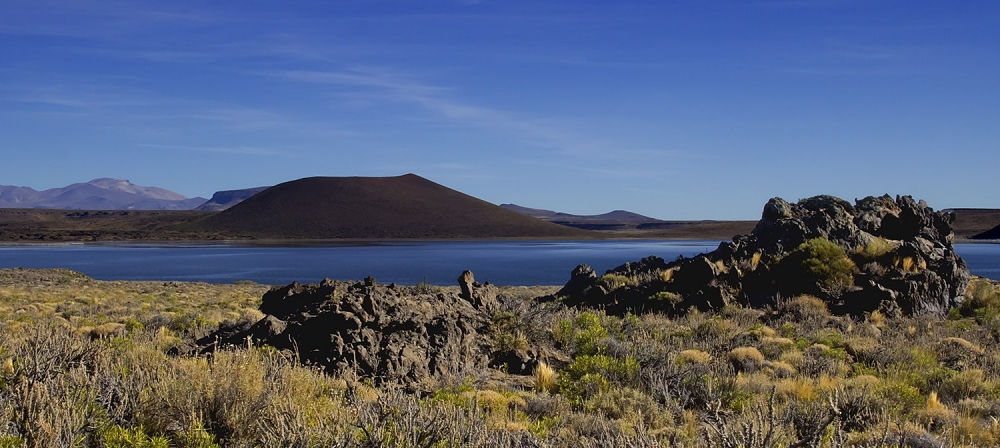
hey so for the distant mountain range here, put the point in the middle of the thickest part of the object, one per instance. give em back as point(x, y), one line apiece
point(549, 215)
point(337, 207)
point(98, 194)
point(614, 220)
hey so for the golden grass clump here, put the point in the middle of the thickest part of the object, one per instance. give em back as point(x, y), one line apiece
point(761, 332)
point(806, 307)
point(693, 356)
point(910, 264)
point(720, 267)
point(755, 260)
point(667, 275)
point(876, 318)
point(746, 359)
point(935, 415)
point(876, 248)
point(546, 378)
point(781, 369)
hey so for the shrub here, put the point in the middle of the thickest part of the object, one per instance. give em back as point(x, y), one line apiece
point(966, 384)
point(746, 359)
point(618, 369)
point(816, 262)
point(981, 296)
point(956, 352)
point(612, 282)
point(781, 369)
point(806, 308)
point(588, 331)
point(693, 356)
point(935, 415)
point(119, 437)
point(875, 248)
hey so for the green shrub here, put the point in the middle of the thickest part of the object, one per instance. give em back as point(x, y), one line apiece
point(816, 262)
point(619, 369)
point(587, 333)
point(981, 300)
point(612, 282)
point(119, 437)
point(583, 388)
point(875, 248)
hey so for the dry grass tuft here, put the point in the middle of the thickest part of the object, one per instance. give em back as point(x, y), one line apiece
point(746, 359)
point(546, 378)
point(692, 356)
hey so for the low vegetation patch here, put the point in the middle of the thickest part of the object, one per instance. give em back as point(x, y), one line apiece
point(112, 364)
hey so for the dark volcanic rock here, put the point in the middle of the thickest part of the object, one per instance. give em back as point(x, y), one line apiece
point(375, 331)
point(916, 272)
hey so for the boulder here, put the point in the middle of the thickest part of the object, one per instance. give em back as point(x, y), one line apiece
point(385, 333)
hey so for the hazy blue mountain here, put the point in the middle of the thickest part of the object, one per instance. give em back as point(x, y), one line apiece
point(622, 216)
point(222, 200)
point(98, 194)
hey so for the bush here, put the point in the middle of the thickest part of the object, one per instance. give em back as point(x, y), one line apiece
point(806, 308)
point(875, 248)
point(746, 359)
point(981, 297)
point(693, 357)
point(816, 262)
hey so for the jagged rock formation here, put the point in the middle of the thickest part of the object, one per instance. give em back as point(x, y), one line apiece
point(897, 255)
point(375, 331)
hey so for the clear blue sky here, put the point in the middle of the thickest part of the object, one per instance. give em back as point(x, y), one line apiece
point(673, 109)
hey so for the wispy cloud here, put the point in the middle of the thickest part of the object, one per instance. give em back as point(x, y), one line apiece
point(240, 150)
point(388, 86)
point(79, 100)
point(94, 19)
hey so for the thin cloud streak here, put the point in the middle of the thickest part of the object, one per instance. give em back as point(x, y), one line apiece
point(242, 150)
point(395, 88)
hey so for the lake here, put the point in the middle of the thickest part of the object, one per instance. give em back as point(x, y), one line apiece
point(440, 263)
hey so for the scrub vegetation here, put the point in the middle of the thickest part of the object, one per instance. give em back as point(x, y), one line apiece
point(113, 364)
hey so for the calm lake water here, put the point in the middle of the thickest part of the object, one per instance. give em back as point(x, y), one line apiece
point(499, 262)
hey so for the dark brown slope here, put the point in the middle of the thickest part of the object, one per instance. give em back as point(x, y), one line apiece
point(42, 225)
point(406, 206)
point(974, 222)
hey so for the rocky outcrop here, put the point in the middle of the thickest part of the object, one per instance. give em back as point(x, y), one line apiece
point(375, 331)
point(900, 251)
point(480, 296)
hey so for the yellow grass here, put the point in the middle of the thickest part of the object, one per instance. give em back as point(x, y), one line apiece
point(546, 378)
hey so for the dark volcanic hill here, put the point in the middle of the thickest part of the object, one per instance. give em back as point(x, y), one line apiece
point(98, 194)
point(975, 223)
point(406, 206)
point(222, 200)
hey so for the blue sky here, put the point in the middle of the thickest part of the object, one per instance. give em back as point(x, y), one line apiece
point(673, 109)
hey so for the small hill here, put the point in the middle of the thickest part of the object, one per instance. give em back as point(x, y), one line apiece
point(975, 223)
point(992, 234)
point(223, 200)
point(617, 216)
point(98, 194)
point(615, 220)
point(406, 206)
